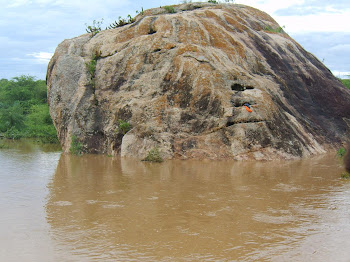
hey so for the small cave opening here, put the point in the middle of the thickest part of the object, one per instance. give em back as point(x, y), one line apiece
point(237, 87)
point(152, 31)
point(229, 122)
point(240, 88)
point(240, 102)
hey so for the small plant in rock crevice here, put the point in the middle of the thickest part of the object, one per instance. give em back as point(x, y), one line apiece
point(275, 30)
point(95, 28)
point(169, 9)
point(345, 175)
point(340, 155)
point(140, 12)
point(91, 67)
point(122, 21)
point(153, 156)
point(341, 152)
point(123, 127)
point(76, 148)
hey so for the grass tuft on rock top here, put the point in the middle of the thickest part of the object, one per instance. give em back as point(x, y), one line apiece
point(170, 9)
point(153, 156)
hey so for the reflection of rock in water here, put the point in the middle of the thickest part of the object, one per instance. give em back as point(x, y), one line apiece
point(115, 209)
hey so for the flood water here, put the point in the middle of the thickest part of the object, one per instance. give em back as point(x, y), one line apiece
point(96, 208)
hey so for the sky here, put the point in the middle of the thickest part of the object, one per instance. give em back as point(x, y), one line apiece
point(30, 30)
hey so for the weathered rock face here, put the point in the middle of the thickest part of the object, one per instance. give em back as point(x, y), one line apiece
point(181, 81)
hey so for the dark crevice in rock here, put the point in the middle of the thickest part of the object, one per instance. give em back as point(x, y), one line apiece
point(49, 73)
point(231, 122)
point(237, 87)
point(152, 31)
point(109, 55)
point(240, 104)
point(240, 88)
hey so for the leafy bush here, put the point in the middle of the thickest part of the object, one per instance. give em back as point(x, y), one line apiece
point(3, 146)
point(13, 133)
point(346, 82)
point(122, 21)
point(95, 28)
point(169, 9)
point(11, 116)
point(345, 175)
point(123, 127)
point(274, 30)
point(153, 156)
point(341, 152)
point(76, 148)
point(91, 67)
point(140, 12)
point(39, 124)
point(24, 111)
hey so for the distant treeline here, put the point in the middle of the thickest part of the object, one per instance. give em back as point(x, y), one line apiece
point(24, 112)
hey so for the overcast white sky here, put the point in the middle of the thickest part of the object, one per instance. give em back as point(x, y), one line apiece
point(30, 30)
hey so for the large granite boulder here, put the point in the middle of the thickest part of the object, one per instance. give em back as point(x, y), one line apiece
point(181, 81)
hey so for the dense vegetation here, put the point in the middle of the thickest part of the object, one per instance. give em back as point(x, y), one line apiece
point(346, 82)
point(24, 111)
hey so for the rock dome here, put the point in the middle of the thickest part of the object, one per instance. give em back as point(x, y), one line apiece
point(204, 81)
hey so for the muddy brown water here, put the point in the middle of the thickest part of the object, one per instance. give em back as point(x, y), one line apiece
point(95, 208)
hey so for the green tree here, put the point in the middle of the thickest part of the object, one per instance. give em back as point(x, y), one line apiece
point(23, 109)
point(11, 116)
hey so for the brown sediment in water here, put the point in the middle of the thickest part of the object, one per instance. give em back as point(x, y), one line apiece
point(98, 208)
point(196, 210)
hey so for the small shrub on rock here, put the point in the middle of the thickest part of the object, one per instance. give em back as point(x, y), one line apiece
point(123, 127)
point(153, 156)
point(341, 152)
point(345, 175)
point(95, 28)
point(76, 148)
point(169, 9)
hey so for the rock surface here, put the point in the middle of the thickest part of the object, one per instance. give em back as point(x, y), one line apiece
point(181, 80)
